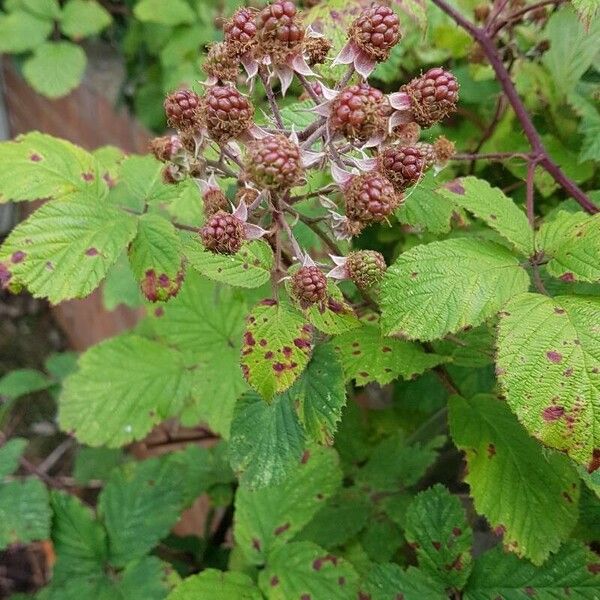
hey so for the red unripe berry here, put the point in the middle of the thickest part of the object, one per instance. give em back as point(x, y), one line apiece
point(274, 162)
point(309, 286)
point(228, 113)
point(433, 96)
point(403, 166)
point(223, 233)
point(280, 32)
point(183, 110)
point(240, 30)
point(370, 197)
point(376, 31)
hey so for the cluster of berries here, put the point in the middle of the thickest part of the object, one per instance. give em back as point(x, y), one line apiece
point(369, 139)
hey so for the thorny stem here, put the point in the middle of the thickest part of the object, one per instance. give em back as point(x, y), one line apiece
point(489, 48)
point(271, 98)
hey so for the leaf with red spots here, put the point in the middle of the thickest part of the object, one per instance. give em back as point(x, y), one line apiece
point(250, 267)
point(65, 248)
point(539, 489)
point(549, 363)
point(335, 316)
point(437, 526)
point(573, 243)
point(390, 582)
point(37, 166)
point(269, 517)
point(567, 574)
point(216, 585)
point(494, 208)
point(266, 440)
point(367, 355)
point(305, 571)
point(276, 347)
point(442, 287)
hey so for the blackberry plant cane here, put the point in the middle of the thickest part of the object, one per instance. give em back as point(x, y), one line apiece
point(289, 257)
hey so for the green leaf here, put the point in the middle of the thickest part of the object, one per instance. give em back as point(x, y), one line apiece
point(298, 115)
point(83, 18)
point(139, 505)
point(573, 572)
point(141, 382)
point(37, 166)
point(65, 248)
point(267, 440)
point(542, 489)
point(21, 382)
point(96, 463)
point(10, 453)
point(390, 582)
point(425, 208)
point(55, 68)
point(492, 206)
point(61, 364)
point(587, 10)
point(268, 517)
point(248, 268)
point(437, 527)
point(367, 356)
point(548, 362)
point(156, 11)
point(121, 286)
point(155, 257)
point(218, 585)
point(320, 395)
point(276, 349)
point(573, 242)
point(206, 322)
point(45, 9)
point(24, 512)
point(336, 316)
point(442, 287)
point(572, 49)
point(21, 31)
point(79, 539)
point(305, 570)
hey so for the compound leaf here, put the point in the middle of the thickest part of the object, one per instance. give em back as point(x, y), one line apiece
point(216, 584)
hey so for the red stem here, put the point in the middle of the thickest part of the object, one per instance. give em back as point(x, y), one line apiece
point(540, 154)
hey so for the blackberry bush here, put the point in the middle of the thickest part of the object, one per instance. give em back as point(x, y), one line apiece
point(340, 312)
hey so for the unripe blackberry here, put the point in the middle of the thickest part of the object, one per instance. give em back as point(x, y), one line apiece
point(359, 112)
point(365, 268)
point(160, 288)
point(228, 113)
point(240, 31)
point(274, 162)
point(279, 30)
point(427, 152)
point(433, 96)
point(183, 110)
point(375, 31)
point(443, 150)
point(370, 197)
point(221, 64)
point(309, 286)
point(214, 200)
point(403, 166)
point(223, 233)
point(316, 50)
point(166, 148)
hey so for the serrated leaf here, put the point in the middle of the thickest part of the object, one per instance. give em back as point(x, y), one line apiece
point(587, 10)
point(248, 268)
point(38, 166)
point(96, 463)
point(139, 505)
point(24, 512)
point(390, 582)
point(269, 517)
point(21, 382)
point(175, 12)
point(548, 363)
point(573, 572)
point(298, 115)
point(276, 349)
point(65, 248)
point(55, 68)
point(437, 527)
point(367, 355)
point(216, 584)
point(21, 31)
point(303, 569)
point(10, 453)
point(500, 454)
point(141, 382)
point(336, 316)
point(120, 286)
point(320, 395)
point(266, 441)
point(83, 18)
point(442, 287)
point(207, 321)
point(425, 208)
point(155, 256)
point(573, 242)
point(492, 206)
